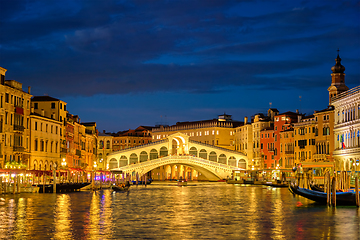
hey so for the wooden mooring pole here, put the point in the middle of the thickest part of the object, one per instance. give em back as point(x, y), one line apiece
point(333, 200)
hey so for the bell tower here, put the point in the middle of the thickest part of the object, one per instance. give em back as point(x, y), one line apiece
point(337, 79)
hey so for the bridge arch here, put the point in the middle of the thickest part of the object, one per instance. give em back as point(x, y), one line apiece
point(143, 156)
point(113, 163)
point(242, 164)
point(193, 152)
point(213, 157)
point(133, 158)
point(123, 161)
point(222, 158)
point(203, 154)
point(153, 154)
point(164, 151)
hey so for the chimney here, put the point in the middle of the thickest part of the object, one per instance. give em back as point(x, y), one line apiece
point(103, 131)
point(245, 120)
point(297, 111)
point(29, 88)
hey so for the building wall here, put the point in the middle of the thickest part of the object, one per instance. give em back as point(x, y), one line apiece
point(45, 143)
point(347, 130)
point(14, 122)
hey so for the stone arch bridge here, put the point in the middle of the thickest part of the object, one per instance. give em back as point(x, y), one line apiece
point(211, 161)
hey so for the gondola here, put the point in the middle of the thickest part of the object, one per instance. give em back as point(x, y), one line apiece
point(149, 181)
point(120, 188)
point(316, 187)
point(276, 185)
point(342, 198)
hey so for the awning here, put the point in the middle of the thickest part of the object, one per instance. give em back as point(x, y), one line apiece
point(317, 164)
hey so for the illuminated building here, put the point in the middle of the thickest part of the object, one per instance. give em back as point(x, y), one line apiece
point(54, 109)
point(90, 152)
point(347, 119)
point(45, 142)
point(275, 141)
point(347, 129)
point(314, 137)
point(131, 138)
point(14, 123)
point(218, 132)
point(104, 147)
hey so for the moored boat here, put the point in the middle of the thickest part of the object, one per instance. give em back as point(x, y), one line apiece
point(182, 183)
point(342, 198)
point(276, 184)
point(120, 188)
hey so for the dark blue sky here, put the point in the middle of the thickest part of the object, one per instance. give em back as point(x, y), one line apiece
point(128, 63)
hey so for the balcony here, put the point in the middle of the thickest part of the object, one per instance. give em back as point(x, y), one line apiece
point(289, 152)
point(63, 150)
point(19, 128)
point(18, 149)
point(78, 153)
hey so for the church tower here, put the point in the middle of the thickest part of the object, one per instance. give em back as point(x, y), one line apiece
point(337, 79)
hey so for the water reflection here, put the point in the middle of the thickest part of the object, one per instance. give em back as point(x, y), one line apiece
point(161, 211)
point(62, 217)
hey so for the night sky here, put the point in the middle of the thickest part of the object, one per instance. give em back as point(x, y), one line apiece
point(124, 64)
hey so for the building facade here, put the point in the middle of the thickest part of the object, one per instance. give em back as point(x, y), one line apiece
point(347, 130)
point(14, 123)
point(218, 132)
point(45, 142)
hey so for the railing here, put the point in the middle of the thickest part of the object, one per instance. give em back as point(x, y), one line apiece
point(289, 152)
point(348, 93)
point(212, 146)
point(139, 146)
point(18, 149)
point(78, 152)
point(174, 157)
point(19, 128)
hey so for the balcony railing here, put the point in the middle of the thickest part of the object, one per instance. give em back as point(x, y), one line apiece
point(289, 152)
point(78, 152)
point(18, 149)
point(19, 128)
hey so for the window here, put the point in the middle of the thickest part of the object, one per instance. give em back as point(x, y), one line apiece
point(36, 106)
point(52, 105)
point(35, 125)
point(60, 105)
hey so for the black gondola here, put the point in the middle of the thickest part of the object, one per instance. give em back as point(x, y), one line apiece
point(276, 185)
point(342, 198)
point(120, 189)
point(61, 187)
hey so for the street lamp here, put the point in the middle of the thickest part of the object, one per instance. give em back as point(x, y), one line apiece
point(63, 163)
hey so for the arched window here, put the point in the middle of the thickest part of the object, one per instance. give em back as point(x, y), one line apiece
point(193, 151)
point(143, 156)
point(203, 154)
point(108, 144)
point(213, 156)
point(113, 163)
point(222, 159)
point(163, 152)
point(232, 161)
point(242, 164)
point(133, 158)
point(153, 154)
point(123, 161)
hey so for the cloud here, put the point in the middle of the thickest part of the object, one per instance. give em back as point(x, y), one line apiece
point(120, 47)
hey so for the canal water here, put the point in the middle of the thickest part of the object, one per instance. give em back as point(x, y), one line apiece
point(166, 211)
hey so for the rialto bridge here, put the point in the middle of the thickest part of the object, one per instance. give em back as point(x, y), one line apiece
point(174, 153)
